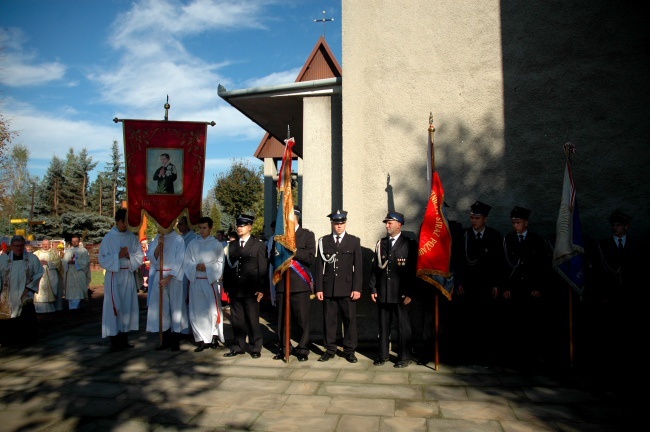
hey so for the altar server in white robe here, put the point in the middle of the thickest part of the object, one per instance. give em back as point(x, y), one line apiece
point(174, 307)
point(203, 267)
point(120, 254)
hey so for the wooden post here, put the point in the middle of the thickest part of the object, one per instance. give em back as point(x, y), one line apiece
point(161, 262)
point(287, 314)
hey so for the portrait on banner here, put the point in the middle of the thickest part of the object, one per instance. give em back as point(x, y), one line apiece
point(165, 171)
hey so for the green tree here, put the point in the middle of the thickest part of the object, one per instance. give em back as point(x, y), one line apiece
point(85, 166)
point(211, 209)
point(17, 183)
point(109, 188)
point(50, 191)
point(6, 135)
point(92, 227)
point(241, 190)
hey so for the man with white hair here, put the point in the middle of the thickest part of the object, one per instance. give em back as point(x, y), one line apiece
point(48, 289)
point(76, 265)
point(20, 274)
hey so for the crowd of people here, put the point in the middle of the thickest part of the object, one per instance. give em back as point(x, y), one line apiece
point(499, 311)
point(39, 282)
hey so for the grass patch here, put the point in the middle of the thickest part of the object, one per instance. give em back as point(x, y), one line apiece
point(97, 277)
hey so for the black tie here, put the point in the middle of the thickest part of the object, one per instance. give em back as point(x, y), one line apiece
point(478, 236)
point(620, 245)
point(390, 243)
point(242, 244)
point(338, 241)
point(521, 238)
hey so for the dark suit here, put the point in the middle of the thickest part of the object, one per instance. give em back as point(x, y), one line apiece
point(392, 284)
point(337, 280)
point(527, 269)
point(301, 291)
point(247, 277)
point(166, 181)
point(619, 297)
point(480, 269)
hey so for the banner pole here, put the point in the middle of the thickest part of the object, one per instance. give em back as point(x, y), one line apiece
point(436, 332)
point(161, 261)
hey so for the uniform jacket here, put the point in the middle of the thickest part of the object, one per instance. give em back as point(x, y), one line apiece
point(248, 273)
point(615, 271)
point(397, 279)
point(527, 264)
point(305, 254)
point(345, 274)
point(481, 261)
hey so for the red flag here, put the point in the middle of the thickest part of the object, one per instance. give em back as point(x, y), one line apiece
point(285, 224)
point(165, 166)
point(434, 254)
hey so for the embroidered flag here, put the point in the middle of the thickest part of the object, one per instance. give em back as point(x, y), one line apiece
point(434, 253)
point(568, 253)
point(165, 166)
point(285, 223)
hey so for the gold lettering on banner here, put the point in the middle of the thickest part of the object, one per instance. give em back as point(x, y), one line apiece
point(563, 220)
point(428, 246)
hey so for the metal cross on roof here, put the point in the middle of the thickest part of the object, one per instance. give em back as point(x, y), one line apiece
point(324, 21)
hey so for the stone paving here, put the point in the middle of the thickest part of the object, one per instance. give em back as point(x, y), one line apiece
point(71, 382)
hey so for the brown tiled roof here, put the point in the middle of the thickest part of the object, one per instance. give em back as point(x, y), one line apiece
point(320, 64)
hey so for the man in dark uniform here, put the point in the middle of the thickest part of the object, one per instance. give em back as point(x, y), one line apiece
point(617, 269)
point(392, 282)
point(526, 276)
point(300, 291)
point(245, 280)
point(479, 280)
point(166, 175)
point(338, 279)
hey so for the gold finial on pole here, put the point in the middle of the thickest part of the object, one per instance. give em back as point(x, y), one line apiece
point(167, 106)
point(431, 149)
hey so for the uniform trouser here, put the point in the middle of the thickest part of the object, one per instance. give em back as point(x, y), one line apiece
point(299, 320)
point(403, 330)
point(245, 320)
point(348, 308)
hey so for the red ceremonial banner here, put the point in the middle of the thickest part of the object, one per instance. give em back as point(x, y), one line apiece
point(165, 166)
point(434, 254)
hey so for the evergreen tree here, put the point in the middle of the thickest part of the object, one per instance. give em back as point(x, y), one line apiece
point(50, 191)
point(109, 188)
point(85, 166)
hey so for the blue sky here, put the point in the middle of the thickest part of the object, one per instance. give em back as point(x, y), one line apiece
point(68, 67)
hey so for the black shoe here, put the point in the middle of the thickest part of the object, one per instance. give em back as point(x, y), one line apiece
point(200, 347)
point(232, 354)
point(176, 341)
point(380, 361)
point(402, 363)
point(302, 357)
point(278, 356)
point(351, 358)
point(325, 357)
point(163, 346)
point(123, 340)
point(256, 355)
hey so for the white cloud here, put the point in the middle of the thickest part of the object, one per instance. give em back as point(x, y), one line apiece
point(21, 68)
